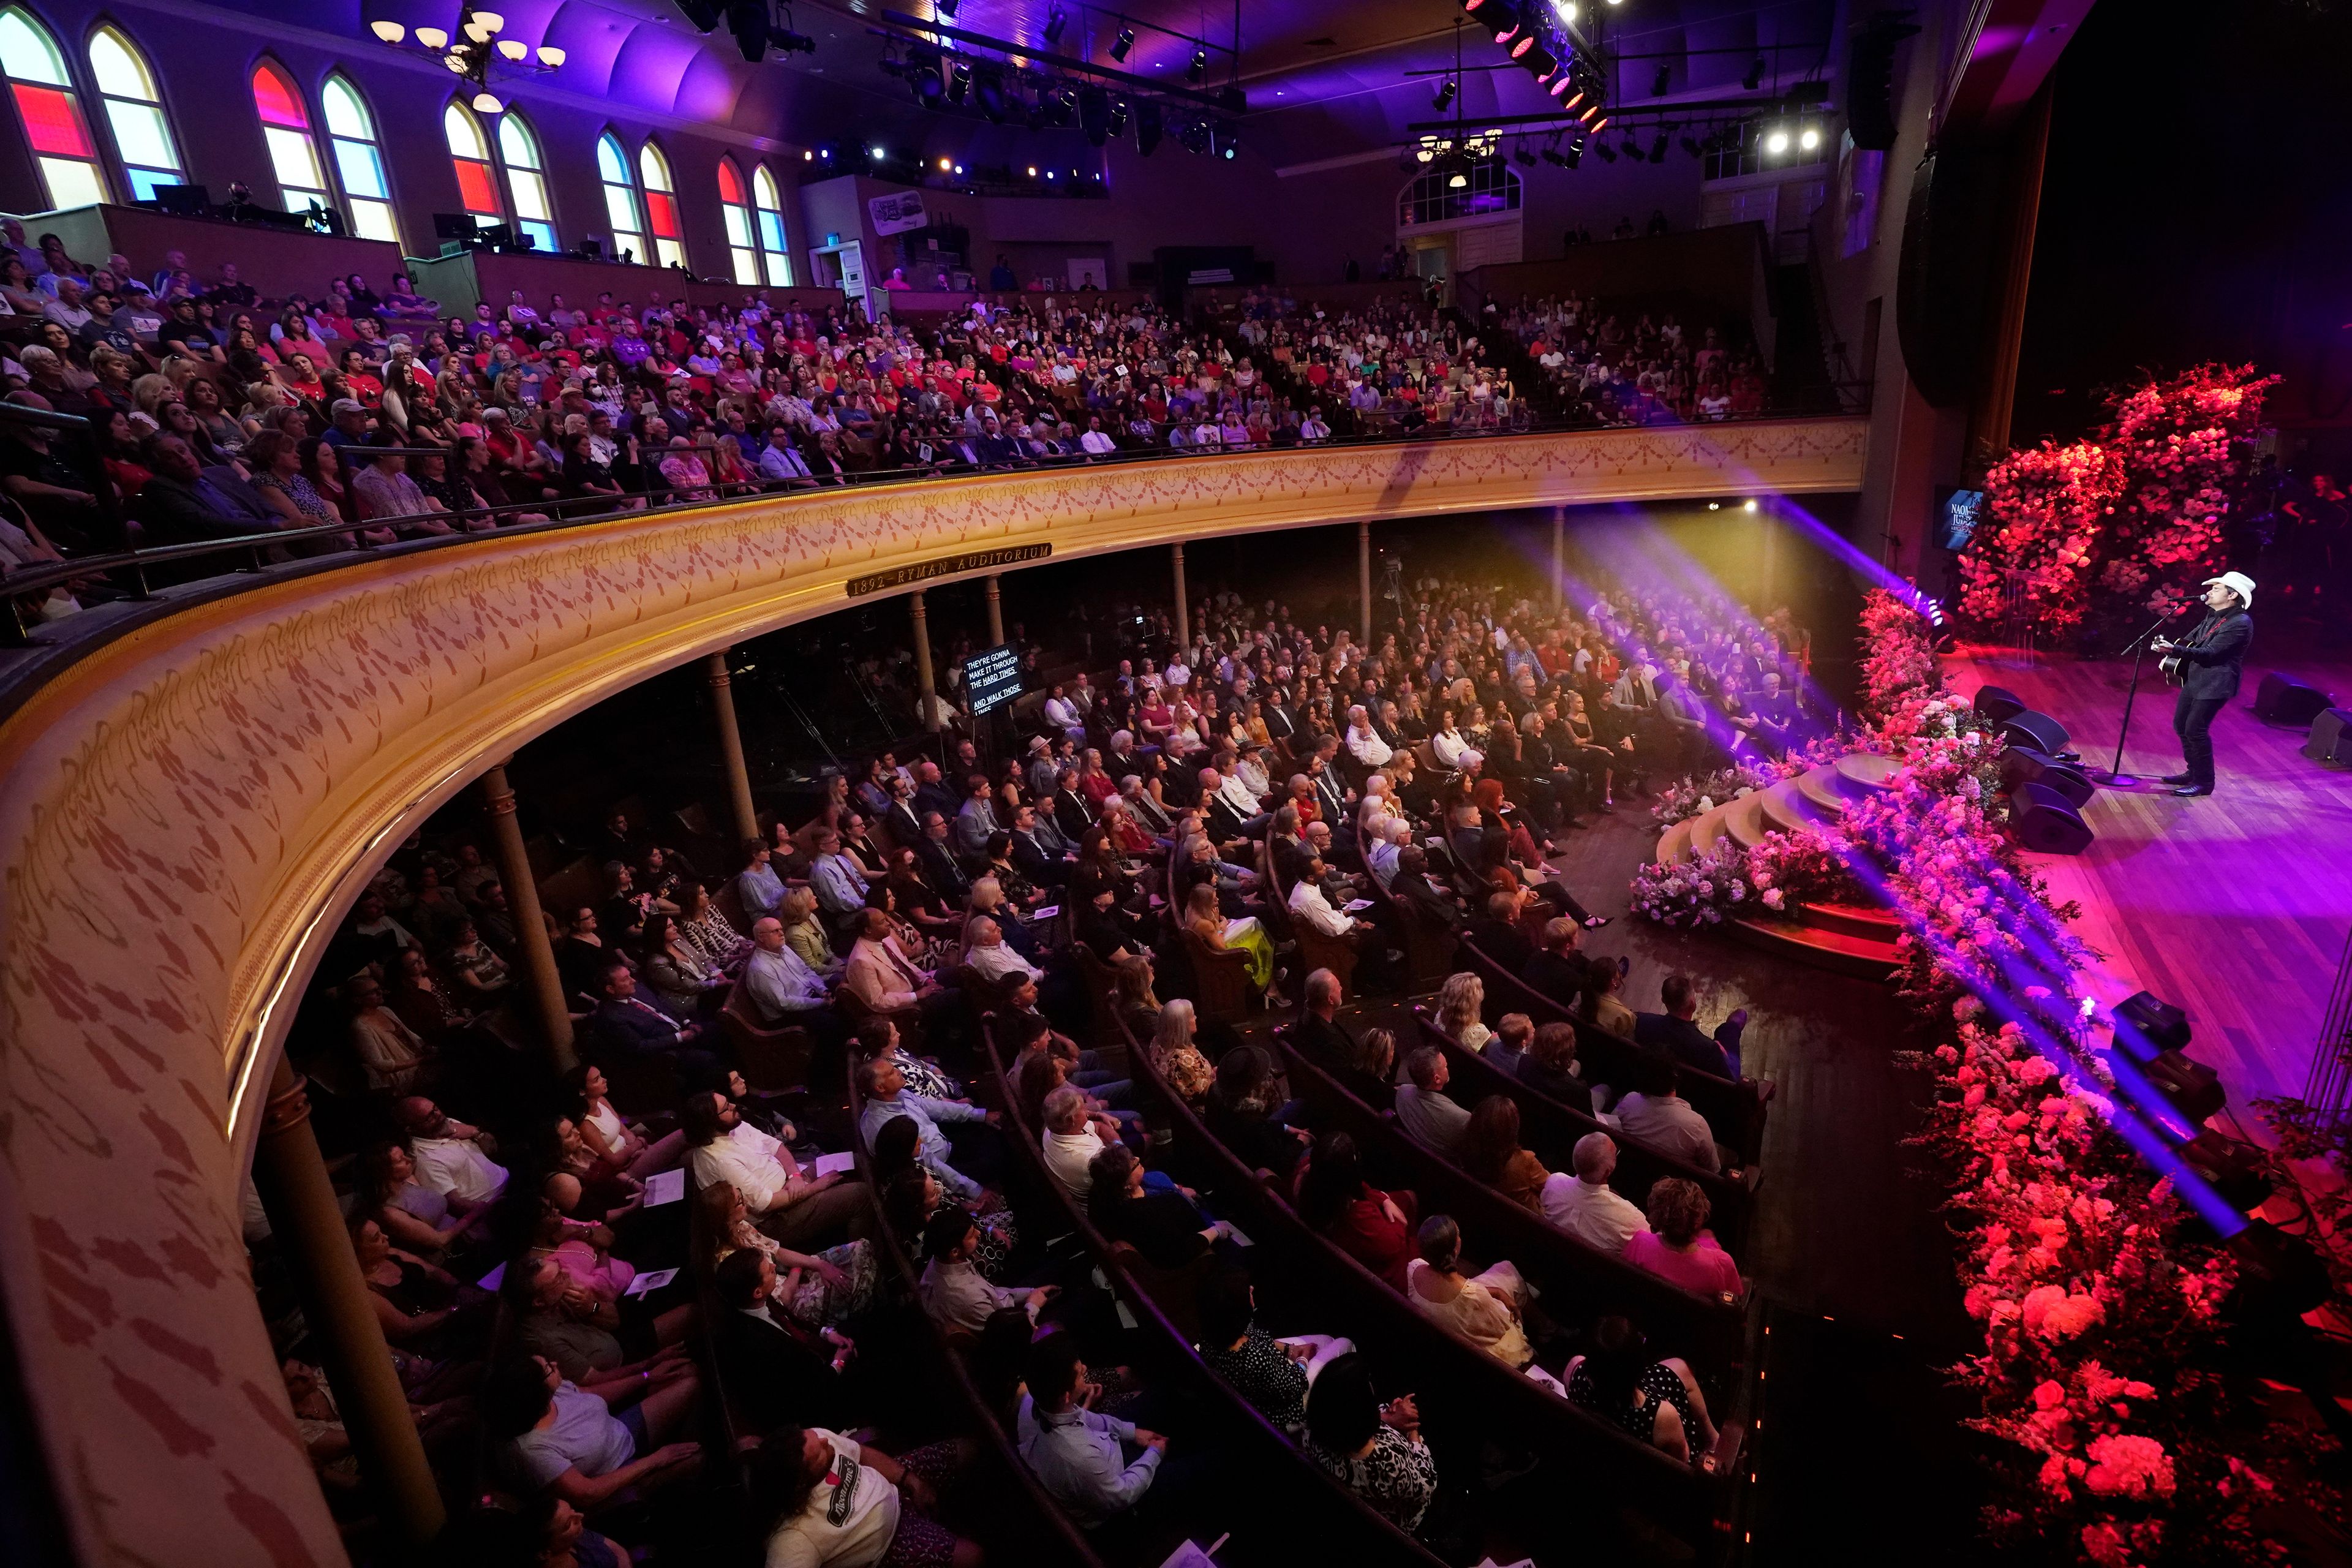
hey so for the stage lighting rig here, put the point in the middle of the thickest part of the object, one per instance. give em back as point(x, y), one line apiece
point(1056, 20)
point(1445, 91)
point(1122, 44)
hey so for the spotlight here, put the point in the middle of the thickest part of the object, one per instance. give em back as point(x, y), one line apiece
point(1445, 91)
point(1033, 170)
point(1632, 150)
point(1658, 147)
point(877, 153)
point(1748, 505)
point(1714, 505)
point(1525, 159)
point(959, 168)
point(1147, 128)
point(1607, 153)
point(1551, 155)
point(1574, 154)
point(1755, 76)
point(1535, 56)
point(1808, 139)
point(1691, 146)
point(1662, 81)
point(945, 165)
point(1055, 20)
point(1094, 114)
point(1499, 17)
point(1776, 142)
point(988, 87)
point(1199, 66)
point(1119, 112)
point(1124, 42)
point(1559, 86)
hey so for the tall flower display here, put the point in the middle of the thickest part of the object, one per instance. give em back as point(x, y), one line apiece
point(2125, 523)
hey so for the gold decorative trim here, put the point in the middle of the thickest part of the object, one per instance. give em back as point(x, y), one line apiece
point(187, 811)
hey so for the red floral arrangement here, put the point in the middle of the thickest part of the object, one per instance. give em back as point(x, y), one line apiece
point(2127, 521)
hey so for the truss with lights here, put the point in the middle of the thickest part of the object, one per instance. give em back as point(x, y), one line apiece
point(475, 51)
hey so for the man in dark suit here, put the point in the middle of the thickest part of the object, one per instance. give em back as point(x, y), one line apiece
point(1413, 886)
point(2212, 658)
point(1321, 1037)
point(181, 505)
point(939, 862)
point(904, 823)
point(1498, 935)
point(1281, 723)
point(631, 1027)
point(1332, 792)
point(1031, 857)
point(932, 794)
point(1555, 969)
point(1073, 813)
point(778, 1372)
point(1676, 1032)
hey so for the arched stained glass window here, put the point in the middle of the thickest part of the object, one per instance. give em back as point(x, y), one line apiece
point(661, 207)
point(734, 203)
point(620, 199)
point(358, 162)
point(134, 114)
point(470, 153)
point(526, 179)
point(286, 129)
point(775, 250)
point(51, 113)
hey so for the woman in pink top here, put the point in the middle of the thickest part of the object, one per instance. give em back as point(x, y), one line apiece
point(1676, 1247)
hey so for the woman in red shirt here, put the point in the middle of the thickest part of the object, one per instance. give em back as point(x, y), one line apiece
point(361, 381)
point(1375, 1228)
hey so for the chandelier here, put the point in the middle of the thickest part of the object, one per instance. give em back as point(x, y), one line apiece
point(474, 49)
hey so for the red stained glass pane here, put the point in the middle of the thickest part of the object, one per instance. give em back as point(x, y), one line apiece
point(731, 183)
point(473, 185)
point(275, 98)
point(661, 208)
point(50, 122)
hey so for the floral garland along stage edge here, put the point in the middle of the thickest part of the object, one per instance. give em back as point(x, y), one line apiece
point(2099, 1310)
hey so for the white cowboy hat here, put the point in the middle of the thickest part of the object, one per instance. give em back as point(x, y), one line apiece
point(2238, 583)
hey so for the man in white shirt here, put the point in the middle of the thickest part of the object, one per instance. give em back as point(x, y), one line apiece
point(1310, 904)
point(1093, 443)
point(781, 984)
point(992, 957)
point(1073, 1138)
point(1422, 1105)
point(1391, 835)
point(1364, 744)
point(1661, 1119)
point(1585, 1206)
point(955, 1294)
point(793, 1202)
point(449, 1156)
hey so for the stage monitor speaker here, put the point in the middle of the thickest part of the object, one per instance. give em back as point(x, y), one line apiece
point(2024, 764)
point(2194, 1088)
point(2038, 731)
point(2047, 822)
point(1995, 703)
point(2239, 1172)
point(2283, 700)
point(2331, 738)
point(2147, 1026)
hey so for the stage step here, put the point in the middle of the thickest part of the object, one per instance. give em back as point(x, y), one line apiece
point(1705, 828)
point(1854, 920)
point(1674, 845)
point(1786, 809)
point(1743, 819)
point(1835, 950)
point(1858, 774)
point(1821, 792)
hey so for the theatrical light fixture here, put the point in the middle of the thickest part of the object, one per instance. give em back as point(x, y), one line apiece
point(1662, 81)
point(945, 165)
point(1197, 67)
point(1776, 142)
point(1598, 126)
point(959, 81)
point(1607, 153)
point(1124, 42)
point(1525, 159)
point(1445, 91)
point(1809, 137)
point(1658, 146)
point(1118, 113)
point(1055, 20)
point(1755, 76)
point(1632, 150)
point(1749, 505)
point(1565, 10)
point(1147, 128)
point(1535, 56)
point(877, 153)
point(1690, 145)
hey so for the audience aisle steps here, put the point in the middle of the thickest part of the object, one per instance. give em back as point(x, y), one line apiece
point(1848, 939)
point(1292, 1510)
point(1592, 1470)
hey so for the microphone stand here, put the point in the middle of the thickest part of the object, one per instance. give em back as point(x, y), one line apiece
point(2113, 777)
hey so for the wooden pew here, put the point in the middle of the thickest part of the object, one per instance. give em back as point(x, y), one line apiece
point(1551, 1129)
point(1734, 1110)
point(1590, 1465)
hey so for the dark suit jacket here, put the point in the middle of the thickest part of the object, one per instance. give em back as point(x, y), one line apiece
point(1573, 1092)
point(1324, 1042)
point(2209, 670)
point(1554, 974)
point(940, 870)
point(634, 1025)
point(1280, 721)
point(1506, 944)
point(1073, 814)
point(1033, 862)
point(174, 514)
point(905, 827)
point(1682, 1040)
point(1413, 889)
point(778, 1376)
point(931, 797)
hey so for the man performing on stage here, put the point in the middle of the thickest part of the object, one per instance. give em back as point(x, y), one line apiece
point(2207, 664)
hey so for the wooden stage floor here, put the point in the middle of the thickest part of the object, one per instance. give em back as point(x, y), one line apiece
point(2233, 907)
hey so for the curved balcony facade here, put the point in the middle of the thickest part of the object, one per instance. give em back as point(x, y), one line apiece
point(190, 806)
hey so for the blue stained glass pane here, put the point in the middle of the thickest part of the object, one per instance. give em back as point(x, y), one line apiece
point(145, 181)
point(542, 236)
point(363, 171)
point(771, 231)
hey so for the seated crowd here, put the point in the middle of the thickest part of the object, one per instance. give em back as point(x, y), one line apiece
point(1261, 791)
point(1605, 371)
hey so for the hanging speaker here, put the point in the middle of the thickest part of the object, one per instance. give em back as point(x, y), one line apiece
point(2331, 739)
point(2036, 731)
point(2047, 822)
point(2283, 700)
point(2022, 765)
point(1995, 703)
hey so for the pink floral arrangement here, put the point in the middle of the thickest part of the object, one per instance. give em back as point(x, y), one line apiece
point(2130, 519)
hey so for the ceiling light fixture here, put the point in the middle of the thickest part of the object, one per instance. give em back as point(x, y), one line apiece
point(1124, 42)
point(1445, 91)
point(1198, 69)
point(1055, 20)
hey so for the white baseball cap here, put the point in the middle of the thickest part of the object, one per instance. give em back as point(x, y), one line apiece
point(2238, 583)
